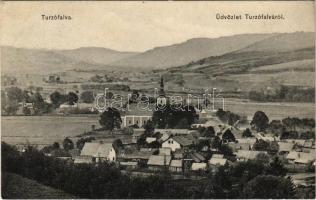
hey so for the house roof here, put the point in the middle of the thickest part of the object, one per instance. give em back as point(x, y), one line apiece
point(218, 155)
point(239, 146)
point(197, 157)
point(217, 161)
point(176, 163)
point(138, 131)
point(89, 149)
point(250, 141)
point(150, 139)
point(74, 152)
point(159, 160)
point(173, 131)
point(104, 150)
point(165, 151)
point(82, 159)
point(183, 141)
point(301, 157)
point(308, 144)
point(96, 149)
point(285, 146)
point(249, 155)
point(296, 141)
point(198, 166)
point(128, 163)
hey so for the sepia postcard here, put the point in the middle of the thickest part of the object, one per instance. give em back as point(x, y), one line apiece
point(157, 99)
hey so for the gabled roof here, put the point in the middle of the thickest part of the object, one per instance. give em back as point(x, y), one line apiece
point(138, 131)
point(89, 149)
point(217, 161)
point(250, 141)
point(197, 157)
point(176, 163)
point(96, 149)
point(216, 155)
point(183, 141)
point(248, 155)
point(159, 160)
point(301, 157)
point(285, 146)
point(198, 166)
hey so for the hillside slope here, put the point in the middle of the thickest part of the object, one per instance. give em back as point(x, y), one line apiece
point(188, 51)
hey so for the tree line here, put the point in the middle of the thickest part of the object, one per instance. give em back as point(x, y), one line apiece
point(241, 180)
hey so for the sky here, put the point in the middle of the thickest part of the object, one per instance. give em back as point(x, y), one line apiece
point(138, 26)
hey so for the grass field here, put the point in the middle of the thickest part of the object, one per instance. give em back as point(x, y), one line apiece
point(14, 186)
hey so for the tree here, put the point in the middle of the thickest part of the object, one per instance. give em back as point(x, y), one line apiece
point(262, 158)
point(80, 143)
point(68, 144)
point(38, 103)
point(209, 132)
point(226, 150)
point(72, 98)
point(57, 99)
point(26, 111)
point(216, 143)
point(110, 119)
point(171, 117)
point(149, 127)
point(15, 94)
point(228, 136)
point(269, 187)
point(247, 133)
point(261, 145)
point(260, 121)
point(276, 167)
point(87, 97)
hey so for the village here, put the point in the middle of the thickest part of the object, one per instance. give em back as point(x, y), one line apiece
point(139, 148)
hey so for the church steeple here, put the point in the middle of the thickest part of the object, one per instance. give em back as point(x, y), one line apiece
point(162, 89)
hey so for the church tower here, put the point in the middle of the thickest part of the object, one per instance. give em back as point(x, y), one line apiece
point(162, 87)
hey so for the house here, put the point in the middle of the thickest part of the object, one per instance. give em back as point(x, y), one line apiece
point(176, 166)
point(218, 155)
point(173, 132)
point(309, 146)
point(251, 141)
point(137, 133)
point(150, 139)
point(198, 166)
point(239, 146)
point(298, 142)
point(177, 142)
point(83, 159)
point(99, 151)
point(141, 157)
point(197, 157)
point(165, 151)
point(129, 165)
point(267, 137)
point(304, 158)
point(285, 147)
point(214, 161)
point(130, 120)
point(244, 155)
point(158, 162)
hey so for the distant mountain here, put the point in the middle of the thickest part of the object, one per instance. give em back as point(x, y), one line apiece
point(96, 55)
point(191, 50)
point(43, 61)
point(276, 49)
point(283, 42)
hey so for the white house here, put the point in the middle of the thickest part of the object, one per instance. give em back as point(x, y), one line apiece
point(177, 142)
point(98, 152)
